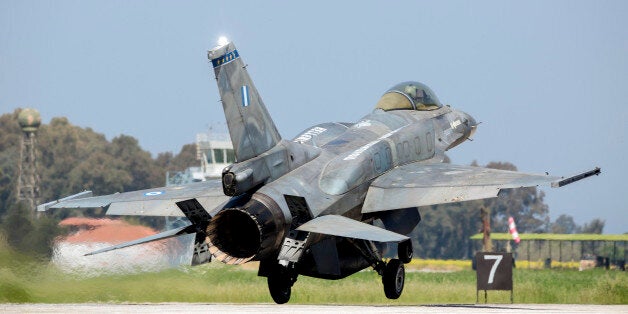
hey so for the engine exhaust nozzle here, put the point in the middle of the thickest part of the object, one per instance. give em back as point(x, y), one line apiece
point(253, 231)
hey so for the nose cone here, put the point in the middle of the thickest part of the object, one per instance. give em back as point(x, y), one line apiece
point(469, 122)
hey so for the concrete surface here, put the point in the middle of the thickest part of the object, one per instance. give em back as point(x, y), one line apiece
point(276, 309)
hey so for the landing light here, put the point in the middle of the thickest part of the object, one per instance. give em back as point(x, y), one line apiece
point(222, 41)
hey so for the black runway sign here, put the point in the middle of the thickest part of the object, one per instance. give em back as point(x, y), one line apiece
point(494, 272)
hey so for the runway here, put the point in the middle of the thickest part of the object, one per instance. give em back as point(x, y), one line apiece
point(275, 309)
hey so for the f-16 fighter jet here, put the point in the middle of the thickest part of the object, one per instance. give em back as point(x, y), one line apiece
point(307, 206)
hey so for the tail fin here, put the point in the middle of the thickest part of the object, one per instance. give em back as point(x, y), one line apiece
point(252, 130)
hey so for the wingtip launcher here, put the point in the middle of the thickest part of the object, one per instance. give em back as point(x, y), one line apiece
point(577, 177)
point(46, 206)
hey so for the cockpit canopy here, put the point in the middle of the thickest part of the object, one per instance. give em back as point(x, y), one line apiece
point(409, 96)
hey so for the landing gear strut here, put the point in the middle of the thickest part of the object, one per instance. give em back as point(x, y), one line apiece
point(393, 273)
point(280, 283)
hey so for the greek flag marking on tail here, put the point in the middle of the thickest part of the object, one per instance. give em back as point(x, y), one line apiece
point(245, 96)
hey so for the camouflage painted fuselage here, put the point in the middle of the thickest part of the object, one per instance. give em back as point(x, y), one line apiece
point(336, 181)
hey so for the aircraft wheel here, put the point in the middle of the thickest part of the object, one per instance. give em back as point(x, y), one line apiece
point(394, 278)
point(404, 251)
point(280, 288)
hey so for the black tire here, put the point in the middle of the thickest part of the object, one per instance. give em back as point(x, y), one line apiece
point(280, 288)
point(404, 251)
point(394, 278)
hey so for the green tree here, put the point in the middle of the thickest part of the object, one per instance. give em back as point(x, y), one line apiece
point(72, 159)
point(186, 157)
point(564, 224)
point(444, 231)
point(10, 134)
point(594, 226)
point(27, 234)
point(101, 173)
point(63, 148)
point(17, 226)
point(139, 165)
point(525, 205)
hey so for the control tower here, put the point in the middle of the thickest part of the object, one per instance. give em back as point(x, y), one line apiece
point(28, 177)
point(214, 152)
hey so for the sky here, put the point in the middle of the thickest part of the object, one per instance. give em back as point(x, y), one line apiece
point(547, 79)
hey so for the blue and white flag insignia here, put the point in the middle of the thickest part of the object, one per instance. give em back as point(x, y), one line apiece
point(245, 96)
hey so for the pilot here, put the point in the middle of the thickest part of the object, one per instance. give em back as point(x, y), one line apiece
point(411, 91)
point(419, 101)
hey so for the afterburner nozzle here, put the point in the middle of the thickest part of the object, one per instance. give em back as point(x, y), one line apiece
point(253, 231)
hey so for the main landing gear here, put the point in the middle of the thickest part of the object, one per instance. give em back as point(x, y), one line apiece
point(404, 251)
point(393, 273)
point(280, 283)
point(281, 278)
point(393, 278)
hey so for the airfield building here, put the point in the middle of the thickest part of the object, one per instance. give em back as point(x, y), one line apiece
point(214, 152)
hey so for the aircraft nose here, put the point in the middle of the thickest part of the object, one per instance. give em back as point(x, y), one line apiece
point(470, 122)
point(474, 128)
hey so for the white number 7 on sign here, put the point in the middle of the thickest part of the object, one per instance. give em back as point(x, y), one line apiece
point(498, 259)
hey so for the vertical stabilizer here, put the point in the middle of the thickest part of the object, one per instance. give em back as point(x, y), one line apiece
point(252, 130)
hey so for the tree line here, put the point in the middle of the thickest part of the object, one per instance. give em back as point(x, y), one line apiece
point(72, 159)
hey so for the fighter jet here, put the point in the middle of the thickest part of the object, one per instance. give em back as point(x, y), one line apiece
point(323, 203)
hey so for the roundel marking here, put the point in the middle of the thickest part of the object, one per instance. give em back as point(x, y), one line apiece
point(154, 193)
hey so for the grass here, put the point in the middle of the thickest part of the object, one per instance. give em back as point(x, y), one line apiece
point(555, 236)
point(24, 280)
point(458, 265)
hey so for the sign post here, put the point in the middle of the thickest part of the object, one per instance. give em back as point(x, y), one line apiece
point(494, 272)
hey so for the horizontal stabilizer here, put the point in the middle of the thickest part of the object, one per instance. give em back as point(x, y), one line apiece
point(156, 237)
point(345, 227)
point(151, 202)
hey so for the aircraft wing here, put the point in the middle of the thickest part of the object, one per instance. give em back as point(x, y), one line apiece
point(417, 184)
point(151, 202)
